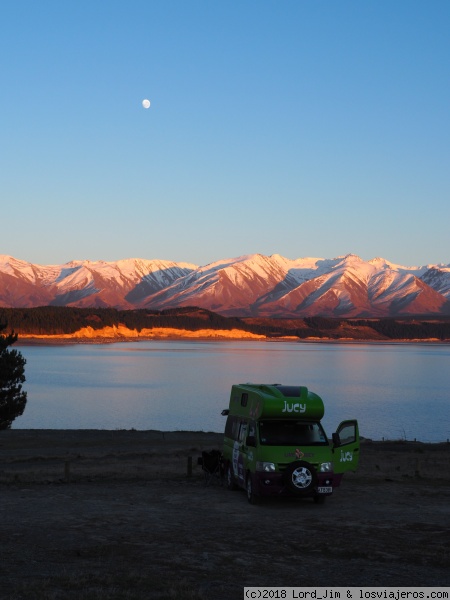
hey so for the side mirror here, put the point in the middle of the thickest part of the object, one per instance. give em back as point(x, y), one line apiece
point(251, 441)
point(336, 440)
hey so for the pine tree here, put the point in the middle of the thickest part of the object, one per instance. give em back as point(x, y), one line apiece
point(12, 376)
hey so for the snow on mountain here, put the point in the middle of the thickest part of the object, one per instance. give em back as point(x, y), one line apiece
point(438, 277)
point(85, 283)
point(345, 286)
point(226, 287)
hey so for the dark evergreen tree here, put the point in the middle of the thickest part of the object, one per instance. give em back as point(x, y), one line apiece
point(12, 376)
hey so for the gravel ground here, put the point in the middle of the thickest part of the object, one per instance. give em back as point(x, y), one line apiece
point(97, 514)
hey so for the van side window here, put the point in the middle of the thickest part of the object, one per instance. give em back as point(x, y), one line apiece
point(244, 399)
point(347, 434)
point(232, 427)
point(229, 426)
point(243, 432)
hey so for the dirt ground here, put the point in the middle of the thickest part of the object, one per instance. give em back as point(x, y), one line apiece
point(119, 514)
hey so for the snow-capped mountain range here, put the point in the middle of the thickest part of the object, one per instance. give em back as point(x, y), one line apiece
point(252, 285)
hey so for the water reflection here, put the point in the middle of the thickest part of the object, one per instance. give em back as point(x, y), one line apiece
point(394, 390)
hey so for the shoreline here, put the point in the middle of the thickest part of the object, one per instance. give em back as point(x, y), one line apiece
point(188, 433)
point(25, 340)
point(64, 341)
point(85, 326)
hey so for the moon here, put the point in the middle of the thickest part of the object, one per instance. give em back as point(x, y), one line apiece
point(146, 103)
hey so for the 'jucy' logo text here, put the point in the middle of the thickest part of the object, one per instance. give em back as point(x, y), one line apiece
point(296, 408)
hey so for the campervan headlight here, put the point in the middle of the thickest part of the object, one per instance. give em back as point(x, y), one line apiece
point(265, 466)
point(326, 467)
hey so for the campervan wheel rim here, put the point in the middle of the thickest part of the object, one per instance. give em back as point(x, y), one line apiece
point(301, 477)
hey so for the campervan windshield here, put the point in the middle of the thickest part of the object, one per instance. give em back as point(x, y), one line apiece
point(284, 432)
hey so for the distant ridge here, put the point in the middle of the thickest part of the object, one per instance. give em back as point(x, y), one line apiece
point(247, 286)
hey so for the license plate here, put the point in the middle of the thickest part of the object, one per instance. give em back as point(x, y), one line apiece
point(324, 490)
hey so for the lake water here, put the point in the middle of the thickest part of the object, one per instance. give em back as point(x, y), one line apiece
point(396, 391)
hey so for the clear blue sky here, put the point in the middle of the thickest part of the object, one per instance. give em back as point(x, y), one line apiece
point(304, 128)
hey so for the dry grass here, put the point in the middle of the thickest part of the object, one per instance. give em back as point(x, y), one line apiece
point(130, 524)
point(131, 586)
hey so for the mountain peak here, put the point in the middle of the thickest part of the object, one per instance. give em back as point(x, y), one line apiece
point(249, 285)
point(351, 257)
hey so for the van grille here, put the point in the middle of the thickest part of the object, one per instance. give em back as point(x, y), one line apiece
point(283, 466)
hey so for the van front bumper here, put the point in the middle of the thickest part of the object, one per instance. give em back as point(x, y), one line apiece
point(273, 484)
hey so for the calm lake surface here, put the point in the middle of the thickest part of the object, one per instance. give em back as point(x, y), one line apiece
point(396, 391)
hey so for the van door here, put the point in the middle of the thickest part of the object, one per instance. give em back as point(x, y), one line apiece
point(346, 454)
point(240, 454)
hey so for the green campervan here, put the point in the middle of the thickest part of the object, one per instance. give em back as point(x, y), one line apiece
point(275, 444)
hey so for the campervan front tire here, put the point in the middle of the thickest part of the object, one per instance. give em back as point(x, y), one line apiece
point(251, 496)
point(300, 478)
